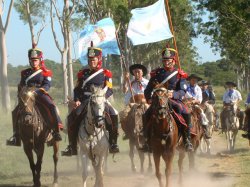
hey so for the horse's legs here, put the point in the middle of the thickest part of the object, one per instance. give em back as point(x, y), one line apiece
point(55, 158)
point(180, 164)
point(99, 172)
point(38, 167)
point(131, 154)
point(28, 152)
point(157, 157)
point(141, 156)
point(191, 158)
point(85, 168)
point(168, 158)
point(149, 163)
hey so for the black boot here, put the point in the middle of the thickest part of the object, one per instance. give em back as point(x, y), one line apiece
point(56, 136)
point(69, 151)
point(186, 133)
point(206, 133)
point(15, 140)
point(114, 135)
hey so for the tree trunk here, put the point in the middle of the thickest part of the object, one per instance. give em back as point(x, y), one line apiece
point(4, 77)
point(65, 76)
point(70, 66)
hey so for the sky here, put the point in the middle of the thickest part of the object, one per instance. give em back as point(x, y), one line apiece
point(18, 41)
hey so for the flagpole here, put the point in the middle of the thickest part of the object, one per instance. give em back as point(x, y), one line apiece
point(123, 63)
point(172, 30)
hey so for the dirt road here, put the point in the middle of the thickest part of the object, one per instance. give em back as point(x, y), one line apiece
point(219, 169)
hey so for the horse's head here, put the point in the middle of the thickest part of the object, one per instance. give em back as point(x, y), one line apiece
point(26, 102)
point(97, 105)
point(160, 101)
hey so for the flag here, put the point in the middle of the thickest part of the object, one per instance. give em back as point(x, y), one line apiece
point(149, 24)
point(103, 36)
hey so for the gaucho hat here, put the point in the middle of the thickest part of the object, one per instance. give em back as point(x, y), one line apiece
point(138, 66)
point(193, 76)
point(203, 82)
point(231, 83)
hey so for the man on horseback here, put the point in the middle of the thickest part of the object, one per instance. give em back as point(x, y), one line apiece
point(247, 119)
point(231, 98)
point(94, 75)
point(207, 94)
point(138, 85)
point(177, 83)
point(40, 77)
point(194, 95)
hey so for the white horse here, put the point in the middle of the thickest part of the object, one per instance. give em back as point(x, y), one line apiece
point(205, 145)
point(232, 126)
point(93, 137)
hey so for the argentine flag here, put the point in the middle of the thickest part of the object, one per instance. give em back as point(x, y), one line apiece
point(103, 36)
point(149, 24)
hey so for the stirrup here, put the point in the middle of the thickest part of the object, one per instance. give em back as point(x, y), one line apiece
point(13, 141)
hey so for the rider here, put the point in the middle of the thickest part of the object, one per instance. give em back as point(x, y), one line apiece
point(94, 75)
point(138, 85)
point(247, 121)
point(194, 94)
point(40, 77)
point(231, 98)
point(177, 83)
point(207, 94)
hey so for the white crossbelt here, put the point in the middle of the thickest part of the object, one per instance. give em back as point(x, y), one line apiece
point(169, 77)
point(33, 75)
point(91, 76)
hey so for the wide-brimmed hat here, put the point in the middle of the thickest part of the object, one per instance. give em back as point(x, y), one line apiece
point(228, 83)
point(203, 82)
point(193, 76)
point(138, 66)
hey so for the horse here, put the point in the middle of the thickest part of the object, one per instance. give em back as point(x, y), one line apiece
point(93, 136)
point(33, 133)
point(196, 135)
point(231, 124)
point(205, 145)
point(164, 133)
point(132, 126)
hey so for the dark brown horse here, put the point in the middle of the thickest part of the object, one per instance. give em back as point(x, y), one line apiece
point(132, 126)
point(164, 133)
point(34, 132)
point(196, 135)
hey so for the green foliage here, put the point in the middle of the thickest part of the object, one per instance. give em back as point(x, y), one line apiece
point(38, 10)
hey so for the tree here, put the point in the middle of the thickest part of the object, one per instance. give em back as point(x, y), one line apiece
point(33, 12)
point(229, 27)
point(3, 52)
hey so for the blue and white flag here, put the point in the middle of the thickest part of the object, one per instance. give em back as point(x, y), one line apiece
point(149, 24)
point(103, 36)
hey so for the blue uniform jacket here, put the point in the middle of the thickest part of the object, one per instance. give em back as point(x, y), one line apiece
point(157, 76)
point(103, 79)
point(41, 80)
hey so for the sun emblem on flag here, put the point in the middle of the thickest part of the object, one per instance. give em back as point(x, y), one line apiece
point(101, 33)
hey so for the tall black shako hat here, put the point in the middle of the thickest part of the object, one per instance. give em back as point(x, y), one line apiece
point(194, 76)
point(138, 66)
point(229, 83)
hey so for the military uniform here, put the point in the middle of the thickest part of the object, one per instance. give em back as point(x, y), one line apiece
point(39, 77)
point(176, 82)
point(85, 78)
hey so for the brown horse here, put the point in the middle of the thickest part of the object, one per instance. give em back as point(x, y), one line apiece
point(164, 133)
point(196, 135)
point(132, 126)
point(33, 133)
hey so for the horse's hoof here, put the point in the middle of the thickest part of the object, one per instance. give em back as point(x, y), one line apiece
point(133, 169)
point(55, 184)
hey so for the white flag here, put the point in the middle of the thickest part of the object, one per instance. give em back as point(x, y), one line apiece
point(149, 24)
